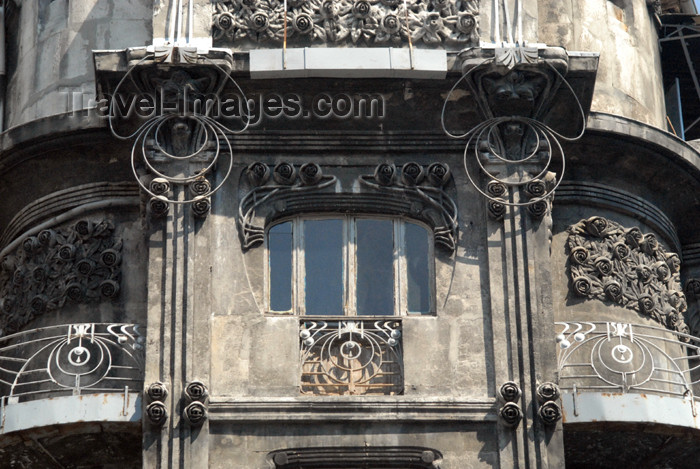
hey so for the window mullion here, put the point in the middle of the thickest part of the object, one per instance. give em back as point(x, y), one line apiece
point(350, 246)
point(400, 272)
point(300, 263)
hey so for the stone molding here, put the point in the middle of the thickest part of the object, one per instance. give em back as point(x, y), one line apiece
point(77, 264)
point(623, 266)
point(347, 22)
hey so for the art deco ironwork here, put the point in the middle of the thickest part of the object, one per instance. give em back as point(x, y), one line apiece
point(619, 357)
point(351, 357)
point(72, 358)
point(76, 264)
point(347, 22)
point(623, 266)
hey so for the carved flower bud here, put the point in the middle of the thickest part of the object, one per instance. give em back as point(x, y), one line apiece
point(157, 391)
point(511, 414)
point(85, 266)
point(18, 276)
point(438, 174)
point(361, 9)
point(110, 257)
point(384, 174)
point(662, 271)
point(497, 210)
point(196, 391)
point(160, 186)
point(329, 9)
point(109, 288)
point(7, 303)
point(412, 174)
point(201, 206)
point(596, 226)
point(303, 23)
point(509, 391)
point(496, 189)
point(634, 237)
point(39, 274)
point(644, 273)
point(74, 292)
point(650, 243)
point(84, 228)
point(31, 244)
point(391, 24)
point(258, 173)
point(547, 392)
point(549, 412)
point(621, 250)
point(259, 21)
point(535, 188)
point(66, 252)
point(439, 4)
point(692, 288)
point(538, 209)
point(613, 291)
point(646, 304)
point(224, 21)
point(200, 187)
point(9, 263)
point(432, 21)
point(603, 265)
point(39, 303)
point(47, 237)
point(579, 255)
point(427, 456)
point(673, 319)
point(159, 206)
point(582, 286)
point(284, 173)
point(157, 413)
point(466, 22)
point(195, 413)
point(310, 174)
point(673, 262)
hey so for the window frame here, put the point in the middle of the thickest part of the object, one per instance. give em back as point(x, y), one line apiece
point(349, 269)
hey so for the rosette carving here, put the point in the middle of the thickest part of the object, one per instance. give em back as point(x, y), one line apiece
point(78, 264)
point(347, 22)
point(626, 267)
point(510, 414)
point(197, 395)
point(549, 412)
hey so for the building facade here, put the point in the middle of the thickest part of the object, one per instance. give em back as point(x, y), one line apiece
point(349, 234)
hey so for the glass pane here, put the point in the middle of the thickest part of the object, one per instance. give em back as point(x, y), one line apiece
point(417, 268)
point(375, 267)
point(279, 244)
point(323, 251)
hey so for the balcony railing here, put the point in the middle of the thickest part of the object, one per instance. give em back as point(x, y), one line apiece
point(70, 359)
point(627, 358)
point(351, 357)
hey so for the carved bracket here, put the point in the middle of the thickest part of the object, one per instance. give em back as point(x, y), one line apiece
point(625, 267)
point(414, 191)
point(347, 22)
point(78, 264)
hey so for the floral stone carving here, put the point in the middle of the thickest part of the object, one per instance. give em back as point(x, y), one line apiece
point(624, 266)
point(342, 22)
point(79, 264)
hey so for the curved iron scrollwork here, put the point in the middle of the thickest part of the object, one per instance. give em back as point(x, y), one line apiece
point(626, 267)
point(412, 190)
point(351, 357)
point(77, 264)
point(78, 358)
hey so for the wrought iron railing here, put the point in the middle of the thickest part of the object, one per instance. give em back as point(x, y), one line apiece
point(70, 359)
point(351, 357)
point(627, 358)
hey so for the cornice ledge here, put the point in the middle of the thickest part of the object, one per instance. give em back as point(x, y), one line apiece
point(352, 409)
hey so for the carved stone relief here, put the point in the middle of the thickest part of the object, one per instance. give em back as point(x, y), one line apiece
point(348, 22)
point(78, 264)
point(626, 267)
point(411, 190)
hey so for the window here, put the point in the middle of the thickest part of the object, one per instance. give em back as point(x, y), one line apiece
point(354, 266)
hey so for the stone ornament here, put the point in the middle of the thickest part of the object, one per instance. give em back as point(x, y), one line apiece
point(196, 395)
point(347, 22)
point(156, 412)
point(78, 264)
point(157, 391)
point(548, 392)
point(510, 413)
point(510, 392)
point(626, 267)
point(549, 413)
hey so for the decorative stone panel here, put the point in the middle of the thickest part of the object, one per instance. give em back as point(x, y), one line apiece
point(78, 264)
point(623, 266)
point(347, 22)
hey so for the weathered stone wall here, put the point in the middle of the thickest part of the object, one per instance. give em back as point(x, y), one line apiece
point(50, 44)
